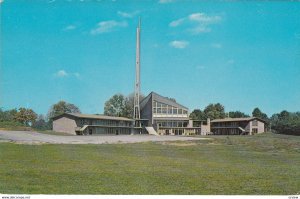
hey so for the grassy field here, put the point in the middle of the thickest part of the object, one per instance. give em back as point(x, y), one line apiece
point(261, 164)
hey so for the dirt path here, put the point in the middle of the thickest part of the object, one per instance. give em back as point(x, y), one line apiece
point(28, 137)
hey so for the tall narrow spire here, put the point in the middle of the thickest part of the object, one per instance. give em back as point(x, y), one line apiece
point(137, 86)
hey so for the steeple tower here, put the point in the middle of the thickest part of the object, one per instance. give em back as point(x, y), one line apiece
point(137, 86)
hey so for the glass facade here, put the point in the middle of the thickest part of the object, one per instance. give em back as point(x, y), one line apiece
point(165, 109)
point(170, 124)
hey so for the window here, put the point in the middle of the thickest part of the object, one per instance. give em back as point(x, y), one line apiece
point(180, 111)
point(174, 110)
point(158, 110)
point(154, 104)
point(233, 124)
point(81, 121)
point(169, 109)
point(174, 124)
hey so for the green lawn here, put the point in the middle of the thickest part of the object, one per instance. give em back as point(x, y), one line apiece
point(262, 164)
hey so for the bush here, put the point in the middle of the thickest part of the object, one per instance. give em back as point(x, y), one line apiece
point(12, 125)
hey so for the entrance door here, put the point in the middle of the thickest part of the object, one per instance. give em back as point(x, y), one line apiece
point(90, 131)
point(176, 132)
point(180, 131)
point(167, 132)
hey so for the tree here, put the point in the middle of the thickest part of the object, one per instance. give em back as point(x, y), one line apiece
point(237, 114)
point(286, 123)
point(197, 114)
point(129, 104)
point(115, 106)
point(25, 116)
point(120, 106)
point(284, 115)
point(8, 115)
point(40, 123)
point(257, 113)
point(62, 107)
point(214, 111)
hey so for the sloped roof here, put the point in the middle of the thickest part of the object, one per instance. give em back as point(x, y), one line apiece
point(145, 101)
point(94, 116)
point(161, 99)
point(246, 119)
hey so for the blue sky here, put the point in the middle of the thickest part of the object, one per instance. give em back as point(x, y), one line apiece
point(241, 54)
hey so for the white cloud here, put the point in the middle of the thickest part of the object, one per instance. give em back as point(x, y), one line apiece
point(179, 44)
point(61, 73)
point(1, 1)
point(177, 22)
point(166, 1)
point(197, 22)
point(70, 27)
point(108, 26)
point(199, 29)
point(203, 18)
point(216, 45)
point(127, 14)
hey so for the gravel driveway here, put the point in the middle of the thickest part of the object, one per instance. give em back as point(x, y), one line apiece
point(28, 137)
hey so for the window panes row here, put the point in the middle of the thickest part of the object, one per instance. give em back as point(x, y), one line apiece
point(160, 108)
point(172, 123)
point(104, 122)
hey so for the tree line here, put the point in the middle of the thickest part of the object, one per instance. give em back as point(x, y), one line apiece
point(120, 105)
point(25, 117)
point(284, 122)
point(217, 111)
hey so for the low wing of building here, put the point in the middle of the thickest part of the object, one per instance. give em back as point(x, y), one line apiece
point(238, 126)
point(88, 124)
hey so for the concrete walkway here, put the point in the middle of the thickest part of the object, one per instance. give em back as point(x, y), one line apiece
point(28, 137)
